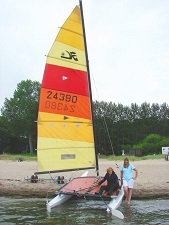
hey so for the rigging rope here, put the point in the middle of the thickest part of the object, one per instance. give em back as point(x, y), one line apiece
point(103, 118)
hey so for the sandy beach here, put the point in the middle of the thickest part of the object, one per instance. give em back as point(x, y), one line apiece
point(152, 181)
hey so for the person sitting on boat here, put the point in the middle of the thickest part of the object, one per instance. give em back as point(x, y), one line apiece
point(112, 182)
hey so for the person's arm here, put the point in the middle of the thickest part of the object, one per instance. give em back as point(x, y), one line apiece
point(136, 173)
point(102, 181)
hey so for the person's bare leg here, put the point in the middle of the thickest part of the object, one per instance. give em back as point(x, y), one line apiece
point(126, 192)
point(130, 190)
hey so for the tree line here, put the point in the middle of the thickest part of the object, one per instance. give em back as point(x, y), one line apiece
point(117, 127)
point(130, 126)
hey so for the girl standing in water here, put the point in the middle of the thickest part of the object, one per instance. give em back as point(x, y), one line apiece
point(127, 179)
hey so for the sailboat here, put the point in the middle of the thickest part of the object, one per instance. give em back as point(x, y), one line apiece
point(66, 137)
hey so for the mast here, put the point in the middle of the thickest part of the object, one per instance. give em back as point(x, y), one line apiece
point(90, 89)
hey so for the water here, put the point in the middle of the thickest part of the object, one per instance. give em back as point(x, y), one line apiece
point(82, 212)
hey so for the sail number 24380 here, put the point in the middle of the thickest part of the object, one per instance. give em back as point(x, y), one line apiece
point(58, 101)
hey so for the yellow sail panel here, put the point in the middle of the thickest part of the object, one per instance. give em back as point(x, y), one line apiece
point(70, 129)
point(65, 154)
point(45, 144)
point(71, 33)
point(68, 159)
point(60, 55)
point(51, 117)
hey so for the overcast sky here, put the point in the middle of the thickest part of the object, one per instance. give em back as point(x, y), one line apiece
point(128, 46)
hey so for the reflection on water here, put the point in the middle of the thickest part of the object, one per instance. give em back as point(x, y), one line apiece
point(82, 212)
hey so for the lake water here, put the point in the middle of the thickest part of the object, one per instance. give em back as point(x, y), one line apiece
point(82, 212)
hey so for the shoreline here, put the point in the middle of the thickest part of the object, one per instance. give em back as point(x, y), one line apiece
point(152, 182)
point(20, 189)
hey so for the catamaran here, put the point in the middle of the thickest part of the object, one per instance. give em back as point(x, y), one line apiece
point(66, 133)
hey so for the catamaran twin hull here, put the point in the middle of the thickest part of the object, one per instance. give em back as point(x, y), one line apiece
point(87, 187)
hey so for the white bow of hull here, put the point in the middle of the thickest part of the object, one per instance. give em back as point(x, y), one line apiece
point(60, 199)
point(116, 202)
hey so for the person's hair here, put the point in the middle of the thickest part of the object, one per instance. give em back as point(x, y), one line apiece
point(110, 168)
point(126, 166)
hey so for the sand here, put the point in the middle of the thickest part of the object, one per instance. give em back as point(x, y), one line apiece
point(152, 181)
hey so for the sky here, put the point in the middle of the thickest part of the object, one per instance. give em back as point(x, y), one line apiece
point(128, 46)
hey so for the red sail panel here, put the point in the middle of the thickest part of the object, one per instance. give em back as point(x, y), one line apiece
point(65, 79)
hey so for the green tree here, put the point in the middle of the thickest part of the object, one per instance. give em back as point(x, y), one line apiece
point(150, 145)
point(21, 111)
point(5, 136)
point(9, 143)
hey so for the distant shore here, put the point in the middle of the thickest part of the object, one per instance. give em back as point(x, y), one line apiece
point(152, 182)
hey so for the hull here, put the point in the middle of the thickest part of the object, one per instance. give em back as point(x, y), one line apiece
point(116, 202)
point(84, 186)
point(87, 187)
point(58, 200)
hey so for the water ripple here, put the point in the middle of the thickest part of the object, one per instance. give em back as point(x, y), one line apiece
point(82, 212)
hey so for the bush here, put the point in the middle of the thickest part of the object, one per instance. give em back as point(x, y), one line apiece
point(150, 145)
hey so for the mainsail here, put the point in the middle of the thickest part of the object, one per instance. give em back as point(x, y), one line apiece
point(65, 128)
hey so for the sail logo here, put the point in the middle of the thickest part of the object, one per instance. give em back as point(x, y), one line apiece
point(64, 78)
point(69, 55)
